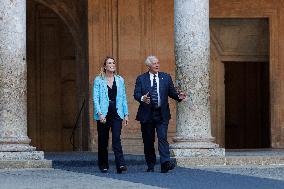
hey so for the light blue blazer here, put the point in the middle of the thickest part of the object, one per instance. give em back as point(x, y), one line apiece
point(101, 100)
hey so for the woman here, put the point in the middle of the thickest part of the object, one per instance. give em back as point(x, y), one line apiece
point(110, 108)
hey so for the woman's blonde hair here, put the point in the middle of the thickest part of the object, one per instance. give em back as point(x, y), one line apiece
point(103, 71)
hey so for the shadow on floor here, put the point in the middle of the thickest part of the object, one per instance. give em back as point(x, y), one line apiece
point(179, 178)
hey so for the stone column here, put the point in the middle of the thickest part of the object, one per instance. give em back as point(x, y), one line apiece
point(192, 45)
point(14, 142)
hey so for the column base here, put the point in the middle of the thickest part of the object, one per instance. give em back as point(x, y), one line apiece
point(17, 153)
point(42, 164)
point(17, 160)
point(15, 144)
point(16, 148)
point(201, 152)
point(11, 156)
point(195, 148)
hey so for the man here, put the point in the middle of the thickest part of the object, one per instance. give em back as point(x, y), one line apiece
point(152, 90)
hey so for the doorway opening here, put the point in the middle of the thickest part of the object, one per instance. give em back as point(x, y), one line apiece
point(247, 123)
point(54, 82)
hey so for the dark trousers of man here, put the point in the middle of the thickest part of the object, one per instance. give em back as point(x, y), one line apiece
point(115, 124)
point(148, 135)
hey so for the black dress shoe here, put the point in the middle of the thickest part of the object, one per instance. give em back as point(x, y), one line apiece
point(121, 169)
point(150, 169)
point(166, 166)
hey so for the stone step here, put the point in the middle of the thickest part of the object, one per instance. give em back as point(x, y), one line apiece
point(78, 159)
point(139, 160)
point(28, 159)
point(29, 155)
point(22, 164)
point(230, 161)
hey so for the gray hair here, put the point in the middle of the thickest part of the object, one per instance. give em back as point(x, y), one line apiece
point(150, 59)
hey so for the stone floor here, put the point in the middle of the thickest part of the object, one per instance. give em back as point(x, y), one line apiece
point(79, 170)
point(87, 177)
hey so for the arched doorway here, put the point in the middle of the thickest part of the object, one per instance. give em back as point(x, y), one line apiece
point(54, 81)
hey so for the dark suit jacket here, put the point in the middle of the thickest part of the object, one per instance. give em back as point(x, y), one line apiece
point(166, 89)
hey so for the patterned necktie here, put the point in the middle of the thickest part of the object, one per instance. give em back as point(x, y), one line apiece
point(154, 93)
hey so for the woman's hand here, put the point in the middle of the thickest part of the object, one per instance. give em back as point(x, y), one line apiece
point(102, 118)
point(126, 120)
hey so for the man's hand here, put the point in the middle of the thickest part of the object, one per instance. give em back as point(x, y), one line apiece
point(126, 120)
point(182, 96)
point(146, 98)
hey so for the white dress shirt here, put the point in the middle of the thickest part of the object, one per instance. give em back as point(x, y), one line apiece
point(157, 80)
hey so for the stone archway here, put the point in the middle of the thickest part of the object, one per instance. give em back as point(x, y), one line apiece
point(56, 93)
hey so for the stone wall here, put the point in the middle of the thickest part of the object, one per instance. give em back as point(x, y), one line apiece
point(130, 31)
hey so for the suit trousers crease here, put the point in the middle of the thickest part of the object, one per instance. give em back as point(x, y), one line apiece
point(148, 134)
point(113, 123)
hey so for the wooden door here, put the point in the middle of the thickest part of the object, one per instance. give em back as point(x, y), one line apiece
point(246, 105)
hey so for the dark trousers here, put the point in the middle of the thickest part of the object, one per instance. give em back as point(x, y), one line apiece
point(114, 123)
point(148, 135)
